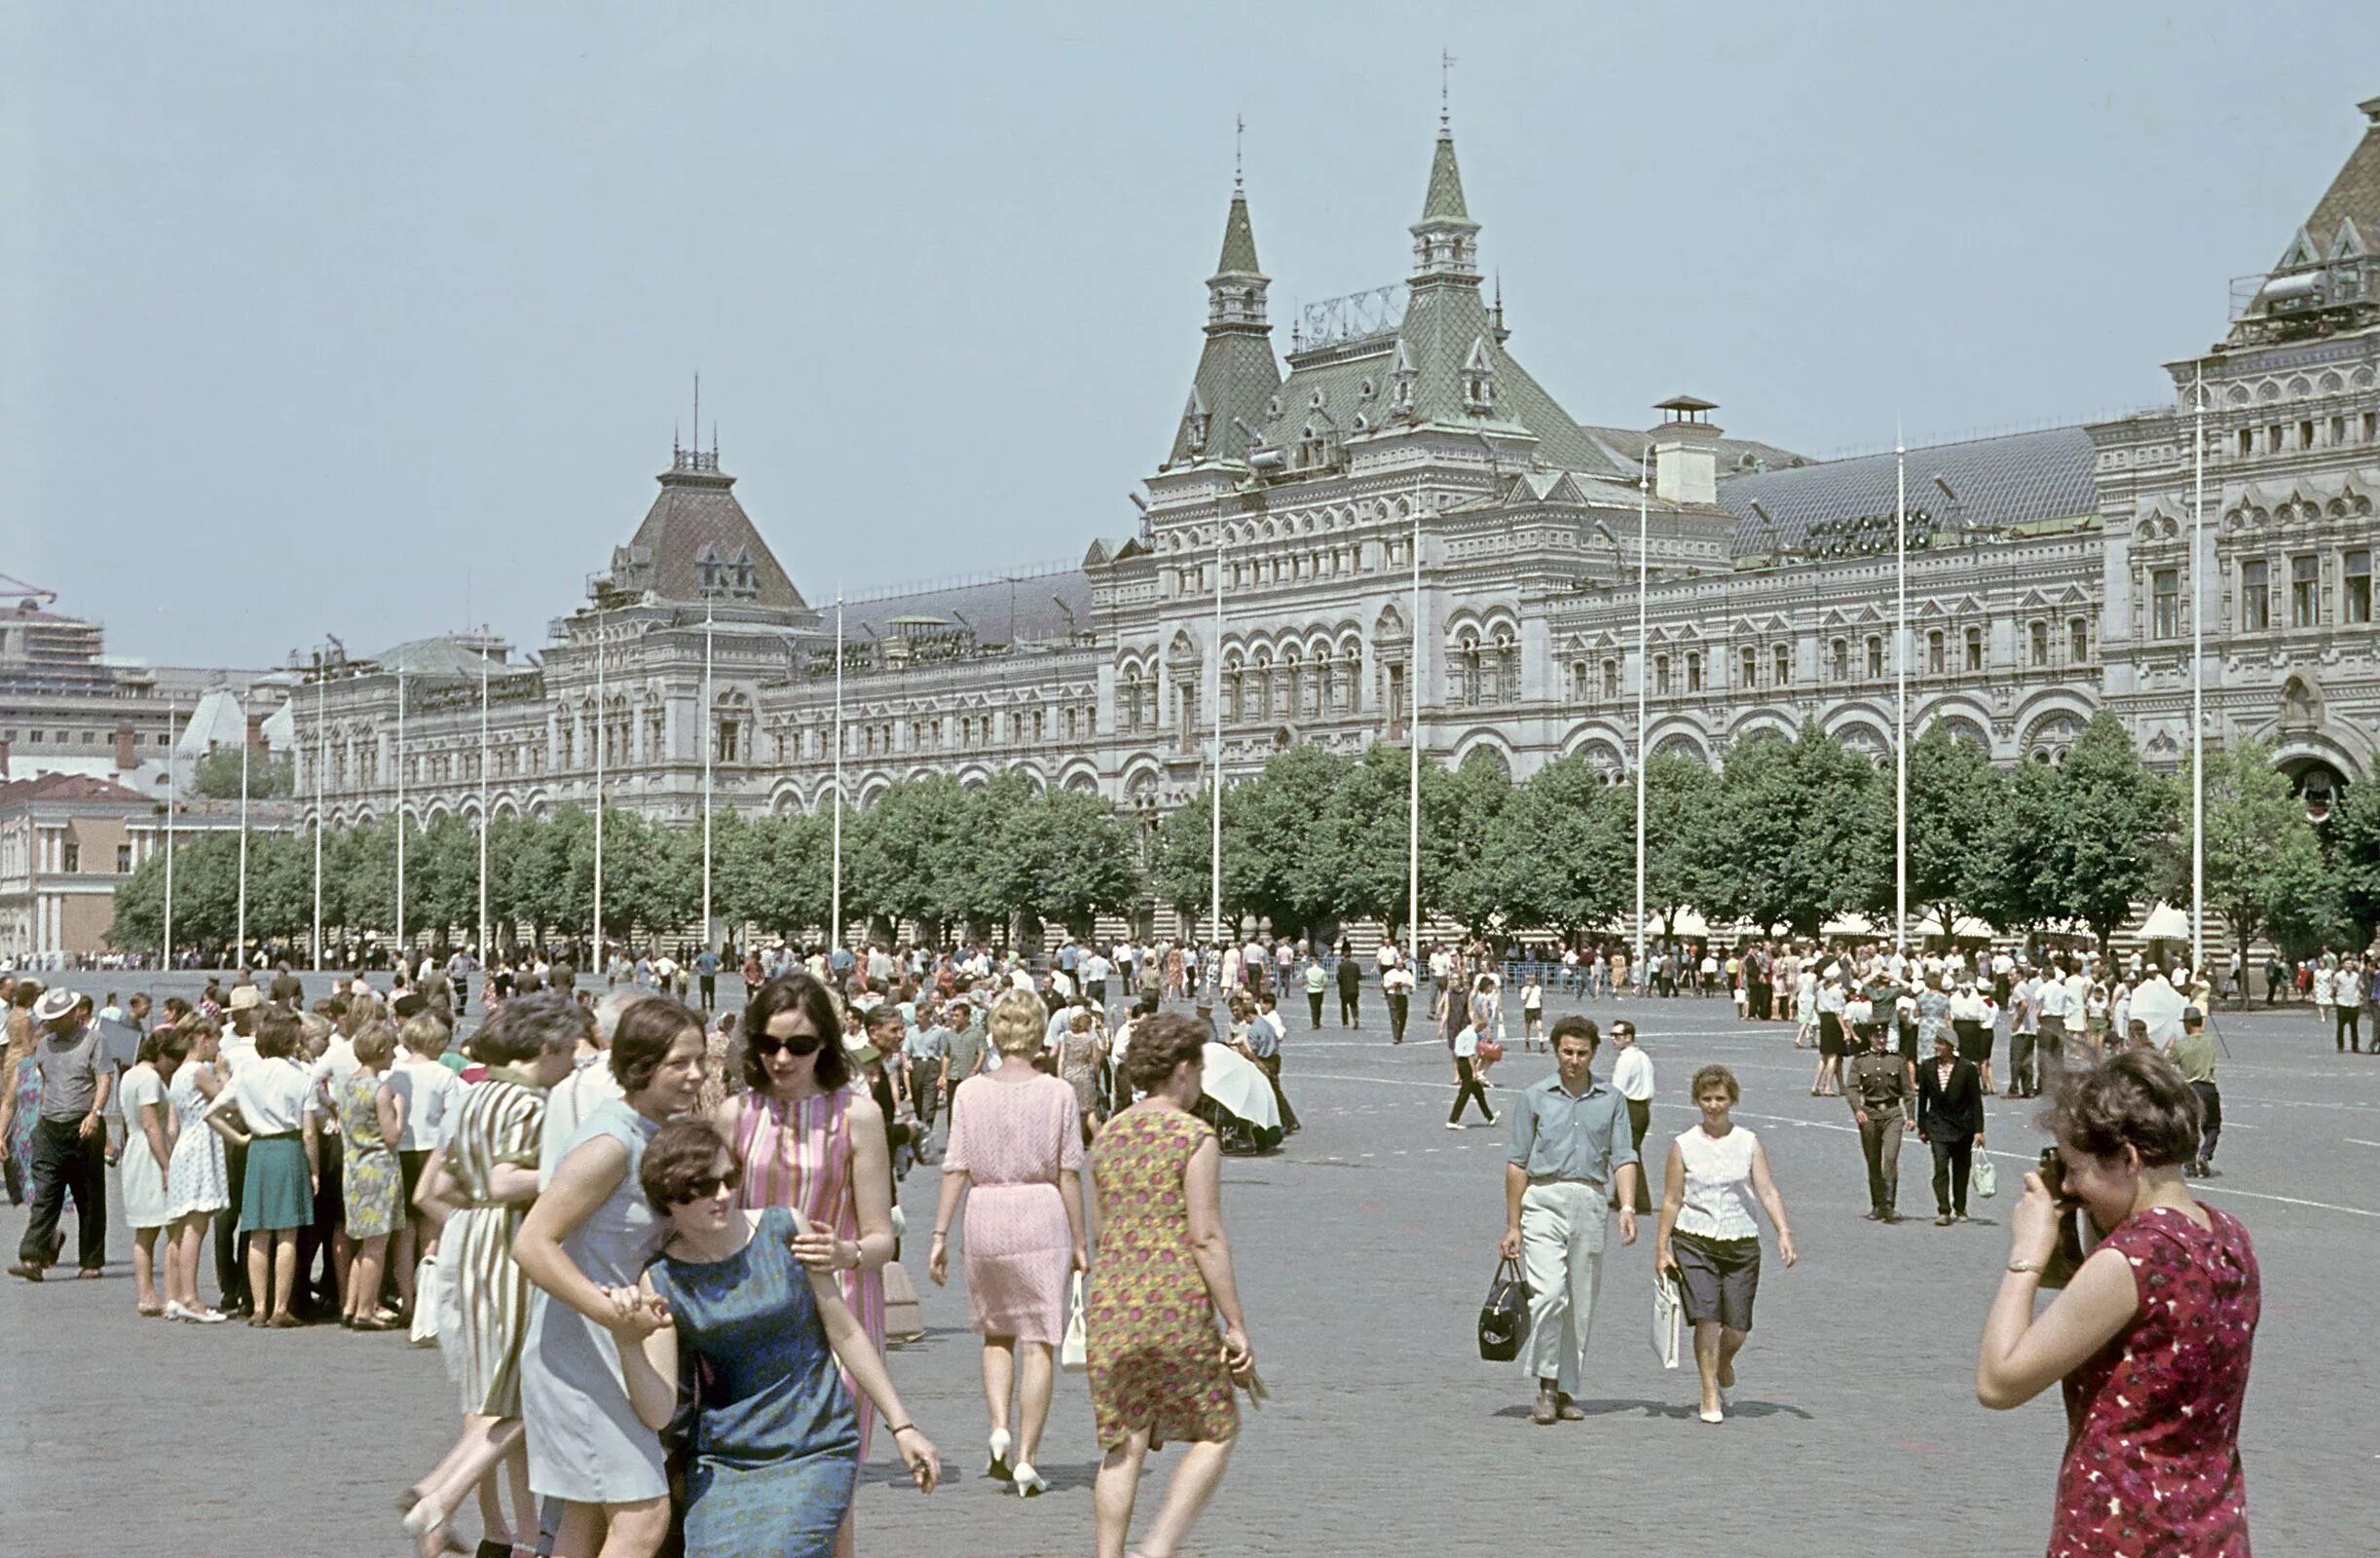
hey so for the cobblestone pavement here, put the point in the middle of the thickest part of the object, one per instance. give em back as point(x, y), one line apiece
point(1363, 1249)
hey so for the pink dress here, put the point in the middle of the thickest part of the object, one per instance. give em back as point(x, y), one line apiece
point(1011, 1139)
point(799, 1154)
point(2152, 1462)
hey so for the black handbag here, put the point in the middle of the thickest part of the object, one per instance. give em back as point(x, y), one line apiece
point(1503, 1319)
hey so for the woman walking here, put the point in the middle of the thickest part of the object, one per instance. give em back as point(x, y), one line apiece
point(1016, 1155)
point(197, 1185)
point(367, 1125)
point(583, 1242)
point(150, 1123)
point(767, 1343)
point(806, 1138)
point(2151, 1337)
point(20, 1091)
point(1709, 1241)
point(1158, 1370)
point(272, 1099)
point(480, 1184)
point(1081, 1052)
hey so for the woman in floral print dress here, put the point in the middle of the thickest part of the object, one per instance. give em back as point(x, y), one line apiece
point(2151, 1337)
point(1160, 1280)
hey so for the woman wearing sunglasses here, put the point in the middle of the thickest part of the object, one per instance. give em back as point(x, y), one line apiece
point(775, 1436)
point(585, 1240)
point(806, 1138)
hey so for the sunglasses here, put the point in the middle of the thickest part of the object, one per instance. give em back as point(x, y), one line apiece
point(767, 1044)
point(710, 1185)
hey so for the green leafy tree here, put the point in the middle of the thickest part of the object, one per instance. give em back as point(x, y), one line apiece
point(906, 858)
point(2265, 869)
point(1567, 848)
point(1793, 841)
point(2105, 831)
point(216, 775)
point(1465, 869)
point(1957, 801)
point(1682, 804)
point(1287, 865)
point(775, 874)
point(1368, 823)
point(1181, 866)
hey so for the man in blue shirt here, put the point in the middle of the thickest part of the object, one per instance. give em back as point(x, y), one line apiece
point(1264, 1035)
point(1571, 1150)
point(706, 970)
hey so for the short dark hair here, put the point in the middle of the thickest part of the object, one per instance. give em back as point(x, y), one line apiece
point(1716, 1076)
point(2134, 1099)
point(795, 992)
point(277, 1031)
point(1580, 1026)
point(680, 1152)
point(1160, 1044)
point(530, 1026)
point(647, 1030)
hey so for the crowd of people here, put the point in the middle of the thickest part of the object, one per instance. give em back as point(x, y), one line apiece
point(661, 1254)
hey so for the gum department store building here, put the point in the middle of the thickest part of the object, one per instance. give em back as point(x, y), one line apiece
point(2049, 579)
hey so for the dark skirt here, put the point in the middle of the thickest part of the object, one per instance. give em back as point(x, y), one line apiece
point(1830, 1034)
point(1974, 1039)
point(1717, 1278)
point(277, 1193)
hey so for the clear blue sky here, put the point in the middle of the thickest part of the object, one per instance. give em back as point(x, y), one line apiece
point(376, 319)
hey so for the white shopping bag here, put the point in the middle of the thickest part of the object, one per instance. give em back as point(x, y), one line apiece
point(1668, 1320)
point(1074, 1353)
point(1982, 1180)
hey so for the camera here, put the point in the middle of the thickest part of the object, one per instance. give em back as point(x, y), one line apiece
point(2067, 1257)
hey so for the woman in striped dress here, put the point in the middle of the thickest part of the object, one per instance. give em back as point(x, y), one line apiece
point(806, 1138)
point(482, 1181)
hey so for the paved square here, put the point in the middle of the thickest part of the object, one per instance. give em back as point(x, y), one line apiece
point(1363, 1250)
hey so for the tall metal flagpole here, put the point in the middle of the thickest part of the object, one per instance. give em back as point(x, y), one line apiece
point(483, 795)
point(1900, 666)
point(173, 804)
point(239, 938)
point(2198, 679)
point(601, 734)
point(835, 888)
point(709, 739)
point(1413, 758)
point(321, 750)
point(1214, 759)
point(1644, 669)
point(401, 958)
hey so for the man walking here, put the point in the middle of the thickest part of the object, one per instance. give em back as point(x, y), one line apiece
point(1632, 1079)
point(1950, 1122)
point(1878, 1091)
point(70, 1138)
point(1317, 986)
point(1351, 985)
point(2193, 1050)
point(706, 975)
point(2023, 1027)
point(1397, 989)
point(2052, 1019)
point(1571, 1147)
point(1265, 1031)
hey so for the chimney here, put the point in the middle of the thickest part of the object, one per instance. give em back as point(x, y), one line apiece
point(1685, 456)
point(256, 732)
point(3, 760)
point(128, 754)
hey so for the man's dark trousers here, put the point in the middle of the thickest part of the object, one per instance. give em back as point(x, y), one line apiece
point(1314, 1001)
point(2023, 1078)
point(1398, 1004)
point(231, 1271)
point(67, 1162)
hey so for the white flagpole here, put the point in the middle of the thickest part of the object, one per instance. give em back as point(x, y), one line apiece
point(239, 938)
point(2198, 680)
point(483, 795)
point(1644, 669)
point(835, 888)
point(401, 959)
point(321, 750)
point(173, 804)
point(1413, 760)
point(1900, 666)
point(1214, 764)
point(708, 741)
point(601, 734)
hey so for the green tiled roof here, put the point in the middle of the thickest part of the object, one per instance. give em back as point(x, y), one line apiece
point(1239, 241)
point(1444, 203)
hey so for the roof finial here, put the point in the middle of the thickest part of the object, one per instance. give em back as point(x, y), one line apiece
point(1239, 137)
point(698, 408)
point(1446, 65)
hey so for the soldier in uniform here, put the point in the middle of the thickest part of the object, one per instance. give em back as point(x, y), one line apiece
point(1883, 1096)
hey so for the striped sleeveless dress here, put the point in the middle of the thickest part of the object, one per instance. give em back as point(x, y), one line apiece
point(799, 1154)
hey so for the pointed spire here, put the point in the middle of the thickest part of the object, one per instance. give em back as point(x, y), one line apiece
point(1239, 240)
point(1445, 240)
point(1444, 203)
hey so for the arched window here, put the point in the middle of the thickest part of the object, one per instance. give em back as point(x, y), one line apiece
point(1466, 662)
point(1751, 669)
point(1936, 654)
point(1694, 672)
point(1875, 658)
point(1784, 665)
point(1660, 675)
point(1838, 656)
point(1611, 678)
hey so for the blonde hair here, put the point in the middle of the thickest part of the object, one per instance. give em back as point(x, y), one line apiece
point(1018, 1020)
point(424, 1033)
point(375, 1044)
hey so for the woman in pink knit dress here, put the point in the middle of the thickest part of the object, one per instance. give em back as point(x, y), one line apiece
point(1016, 1141)
point(808, 1139)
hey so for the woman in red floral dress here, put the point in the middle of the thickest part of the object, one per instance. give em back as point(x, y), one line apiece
point(2151, 1337)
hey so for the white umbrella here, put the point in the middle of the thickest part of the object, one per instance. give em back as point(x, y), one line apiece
point(1235, 1082)
point(2160, 1006)
point(2166, 923)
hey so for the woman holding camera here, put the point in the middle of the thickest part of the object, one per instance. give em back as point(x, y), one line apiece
point(2151, 1337)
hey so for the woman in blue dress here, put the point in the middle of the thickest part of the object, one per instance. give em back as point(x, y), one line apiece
point(763, 1343)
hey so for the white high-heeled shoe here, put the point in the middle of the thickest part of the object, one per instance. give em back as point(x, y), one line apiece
point(998, 1471)
point(1029, 1482)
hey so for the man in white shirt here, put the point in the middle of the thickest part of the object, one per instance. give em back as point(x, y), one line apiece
point(1632, 1080)
point(1396, 988)
point(1095, 968)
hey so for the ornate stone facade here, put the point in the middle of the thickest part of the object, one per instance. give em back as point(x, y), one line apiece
point(2050, 578)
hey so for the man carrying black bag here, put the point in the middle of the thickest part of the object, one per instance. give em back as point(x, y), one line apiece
point(1503, 1319)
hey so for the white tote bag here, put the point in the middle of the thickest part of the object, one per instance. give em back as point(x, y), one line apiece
point(1668, 1320)
point(1982, 1180)
point(1074, 1353)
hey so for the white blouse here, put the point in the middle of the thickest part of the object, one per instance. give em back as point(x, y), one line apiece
point(274, 1096)
point(1718, 1201)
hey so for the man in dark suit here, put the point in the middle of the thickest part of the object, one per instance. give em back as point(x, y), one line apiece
point(1951, 1121)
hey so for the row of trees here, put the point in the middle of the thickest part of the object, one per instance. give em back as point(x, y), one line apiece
point(1790, 834)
